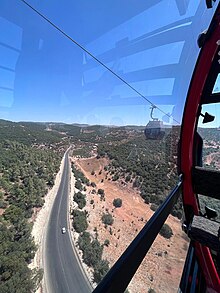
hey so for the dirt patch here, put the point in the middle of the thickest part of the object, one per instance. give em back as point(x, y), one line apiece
point(213, 158)
point(162, 267)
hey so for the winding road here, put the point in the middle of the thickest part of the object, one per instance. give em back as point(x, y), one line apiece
point(63, 273)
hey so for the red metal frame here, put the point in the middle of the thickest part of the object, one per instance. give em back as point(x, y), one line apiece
point(188, 131)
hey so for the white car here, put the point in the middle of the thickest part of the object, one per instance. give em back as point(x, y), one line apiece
point(63, 230)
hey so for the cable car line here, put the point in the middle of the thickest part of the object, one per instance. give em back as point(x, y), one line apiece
point(97, 60)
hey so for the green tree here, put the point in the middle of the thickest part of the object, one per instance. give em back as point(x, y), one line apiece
point(107, 219)
point(79, 221)
point(84, 240)
point(80, 199)
point(93, 254)
point(100, 270)
point(101, 191)
point(117, 202)
point(166, 231)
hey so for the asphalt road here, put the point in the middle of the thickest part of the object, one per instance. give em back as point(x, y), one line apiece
point(61, 267)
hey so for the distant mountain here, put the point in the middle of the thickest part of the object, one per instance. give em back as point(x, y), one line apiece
point(80, 125)
point(28, 132)
point(209, 134)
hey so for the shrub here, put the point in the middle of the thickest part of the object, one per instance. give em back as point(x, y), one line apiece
point(107, 219)
point(117, 202)
point(153, 207)
point(101, 191)
point(93, 184)
point(78, 185)
point(128, 178)
point(79, 198)
point(3, 204)
point(166, 231)
point(147, 200)
point(136, 183)
point(106, 242)
point(93, 172)
point(93, 254)
point(84, 240)
point(100, 270)
point(79, 221)
point(115, 177)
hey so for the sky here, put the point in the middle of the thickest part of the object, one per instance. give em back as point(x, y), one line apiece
point(150, 46)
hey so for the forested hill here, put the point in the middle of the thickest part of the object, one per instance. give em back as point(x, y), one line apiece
point(30, 157)
point(28, 133)
point(148, 165)
point(210, 134)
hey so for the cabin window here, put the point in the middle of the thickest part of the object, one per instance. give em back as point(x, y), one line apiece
point(210, 157)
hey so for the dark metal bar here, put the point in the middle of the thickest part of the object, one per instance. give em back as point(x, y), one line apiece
point(120, 275)
point(194, 276)
point(206, 182)
point(187, 268)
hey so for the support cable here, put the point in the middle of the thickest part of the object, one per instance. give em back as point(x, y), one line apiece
point(96, 59)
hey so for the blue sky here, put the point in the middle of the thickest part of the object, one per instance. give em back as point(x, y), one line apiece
point(45, 77)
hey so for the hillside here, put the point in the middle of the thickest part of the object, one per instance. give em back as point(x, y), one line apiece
point(161, 269)
point(113, 166)
point(29, 160)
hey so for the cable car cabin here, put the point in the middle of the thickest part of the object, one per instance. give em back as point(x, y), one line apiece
point(155, 127)
point(154, 130)
point(199, 182)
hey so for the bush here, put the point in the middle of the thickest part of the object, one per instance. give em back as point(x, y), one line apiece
point(107, 219)
point(128, 178)
point(84, 240)
point(93, 184)
point(106, 242)
point(78, 185)
point(100, 270)
point(115, 177)
point(93, 253)
point(93, 172)
point(79, 175)
point(3, 204)
point(153, 207)
point(166, 231)
point(79, 221)
point(117, 202)
point(147, 200)
point(101, 191)
point(79, 198)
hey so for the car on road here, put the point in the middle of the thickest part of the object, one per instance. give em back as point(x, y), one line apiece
point(63, 230)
